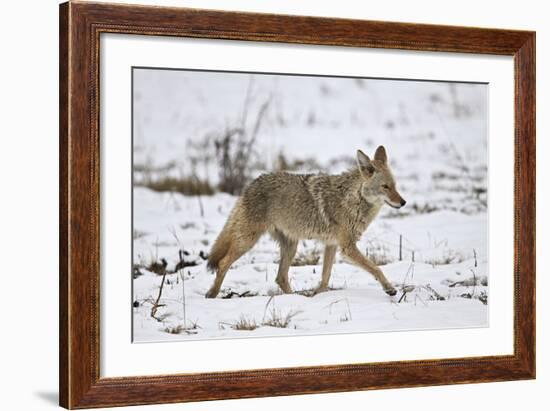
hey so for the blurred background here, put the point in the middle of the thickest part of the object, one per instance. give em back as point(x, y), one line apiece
point(201, 132)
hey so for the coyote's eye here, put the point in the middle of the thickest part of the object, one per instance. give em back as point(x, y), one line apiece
point(385, 186)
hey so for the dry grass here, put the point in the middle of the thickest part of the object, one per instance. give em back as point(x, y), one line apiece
point(307, 257)
point(175, 329)
point(246, 324)
point(448, 257)
point(243, 324)
point(235, 146)
point(279, 320)
point(379, 254)
point(178, 329)
point(185, 185)
point(136, 234)
point(158, 267)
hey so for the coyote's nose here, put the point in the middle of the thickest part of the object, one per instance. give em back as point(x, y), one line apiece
point(403, 202)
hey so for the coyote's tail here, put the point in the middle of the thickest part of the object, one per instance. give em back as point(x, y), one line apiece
point(221, 245)
point(238, 235)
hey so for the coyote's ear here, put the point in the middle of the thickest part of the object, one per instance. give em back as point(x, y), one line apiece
point(380, 155)
point(365, 166)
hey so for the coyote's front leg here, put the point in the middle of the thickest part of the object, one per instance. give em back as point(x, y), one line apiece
point(351, 251)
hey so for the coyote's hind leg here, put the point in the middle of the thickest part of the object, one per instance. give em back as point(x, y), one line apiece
point(236, 250)
point(224, 264)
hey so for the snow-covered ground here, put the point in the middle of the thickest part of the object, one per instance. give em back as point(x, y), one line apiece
point(435, 136)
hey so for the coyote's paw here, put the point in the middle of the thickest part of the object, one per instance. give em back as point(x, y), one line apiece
point(391, 291)
point(284, 286)
point(211, 294)
point(320, 289)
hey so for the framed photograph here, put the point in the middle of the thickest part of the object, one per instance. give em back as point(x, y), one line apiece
point(260, 205)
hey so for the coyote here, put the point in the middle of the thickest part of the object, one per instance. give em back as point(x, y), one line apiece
point(333, 209)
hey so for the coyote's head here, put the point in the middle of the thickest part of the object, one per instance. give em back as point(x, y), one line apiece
point(378, 184)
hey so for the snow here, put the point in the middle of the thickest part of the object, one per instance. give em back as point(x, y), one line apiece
point(435, 136)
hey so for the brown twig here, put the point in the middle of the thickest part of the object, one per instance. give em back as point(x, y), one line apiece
point(156, 304)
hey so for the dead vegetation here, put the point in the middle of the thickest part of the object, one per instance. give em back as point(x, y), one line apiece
point(448, 257)
point(417, 291)
point(235, 145)
point(180, 328)
point(469, 282)
point(243, 324)
point(274, 317)
point(136, 234)
point(309, 164)
point(227, 294)
point(310, 256)
point(346, 316)
point(158, 267)
point(471, 293)
point(191, 186)
point(278, 319)
point(379, 253)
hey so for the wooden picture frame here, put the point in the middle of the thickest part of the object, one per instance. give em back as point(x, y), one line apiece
point(80, 27)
